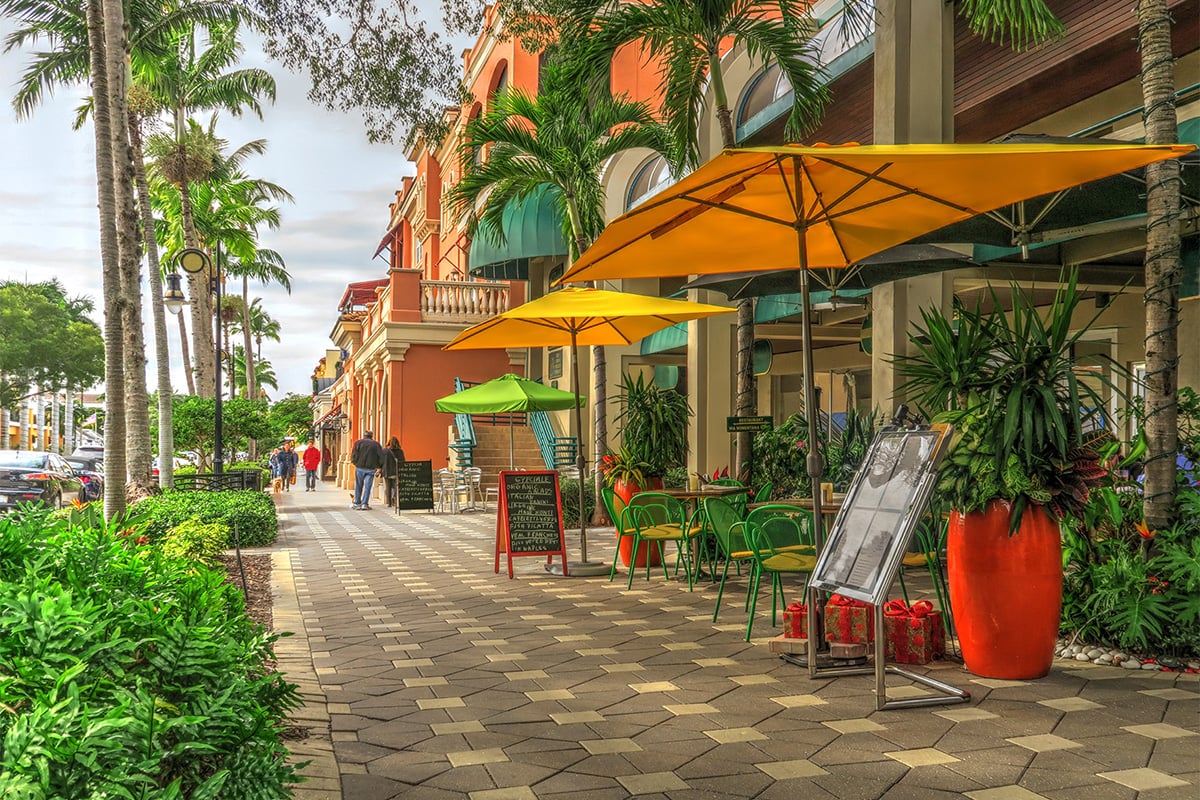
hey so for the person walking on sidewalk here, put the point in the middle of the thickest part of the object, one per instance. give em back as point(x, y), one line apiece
point(367, 457)
point(288, 461)
point(394, 457)
point(312, 460)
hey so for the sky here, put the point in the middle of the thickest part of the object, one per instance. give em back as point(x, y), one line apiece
point(342, 186)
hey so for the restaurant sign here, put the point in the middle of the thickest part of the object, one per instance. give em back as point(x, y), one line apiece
point(750, 424)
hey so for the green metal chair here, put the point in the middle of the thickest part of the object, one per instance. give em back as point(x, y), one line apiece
point(781, 543)
point(763, 494)
point(614, 504)
point(729, 531)
point(738, 501)
point(658, 518)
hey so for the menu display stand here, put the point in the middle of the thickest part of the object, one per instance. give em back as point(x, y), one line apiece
point(864, 550)
point(414, 486)
point(529, 517)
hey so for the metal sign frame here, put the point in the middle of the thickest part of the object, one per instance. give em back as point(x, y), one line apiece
point(864, 550)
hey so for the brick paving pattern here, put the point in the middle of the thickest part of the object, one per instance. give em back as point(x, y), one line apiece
point(427, 677)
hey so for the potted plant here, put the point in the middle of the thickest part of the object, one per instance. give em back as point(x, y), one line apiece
point(1020, 461)
point(625, 473)
point(653, 424)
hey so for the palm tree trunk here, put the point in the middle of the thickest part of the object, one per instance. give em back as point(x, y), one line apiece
point(99, 13)
point(137, 402)
point(162, 356)
point(746, 401)
point(1163, 269)
point(247, 343)
point(198, 283)
point(186, 355)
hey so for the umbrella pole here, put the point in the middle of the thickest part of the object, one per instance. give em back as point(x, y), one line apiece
point(584, 568)
point(511, 462)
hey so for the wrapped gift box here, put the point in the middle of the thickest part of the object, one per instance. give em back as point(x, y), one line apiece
point(849, 621)
point(913, 634)
point(795, 621)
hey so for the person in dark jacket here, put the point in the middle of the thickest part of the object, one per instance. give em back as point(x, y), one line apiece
point(288, 461)
point(367, 456)
point(393, 458)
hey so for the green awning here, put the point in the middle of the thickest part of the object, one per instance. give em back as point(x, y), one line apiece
point(531, 228)
point(666, 339)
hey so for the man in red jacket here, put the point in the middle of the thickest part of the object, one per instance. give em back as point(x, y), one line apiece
point(312, 460)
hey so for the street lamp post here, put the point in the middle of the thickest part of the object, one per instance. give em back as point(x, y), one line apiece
point(194, 261)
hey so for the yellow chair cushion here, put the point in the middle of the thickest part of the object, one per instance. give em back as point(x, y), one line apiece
point(790, 562)
point(918, 559)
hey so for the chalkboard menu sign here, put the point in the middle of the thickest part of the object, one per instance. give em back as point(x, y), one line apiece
point(883, 505)
point(529, 522)
point(414, 485)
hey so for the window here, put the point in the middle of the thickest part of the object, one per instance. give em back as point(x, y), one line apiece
point(765, 90)
point(653, 176)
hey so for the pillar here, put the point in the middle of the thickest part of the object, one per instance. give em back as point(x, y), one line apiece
point(914, 103)
point(710, 392)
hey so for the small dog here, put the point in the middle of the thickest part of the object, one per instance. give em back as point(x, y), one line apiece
point(276, 485)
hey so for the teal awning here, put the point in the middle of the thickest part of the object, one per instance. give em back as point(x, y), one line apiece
point(531, 228)
point(666, 339)
point(779, 306)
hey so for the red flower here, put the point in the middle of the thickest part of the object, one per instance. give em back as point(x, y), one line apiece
point(1144, 530)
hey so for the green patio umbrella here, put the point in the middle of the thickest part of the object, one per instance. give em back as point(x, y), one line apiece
point(508, 393)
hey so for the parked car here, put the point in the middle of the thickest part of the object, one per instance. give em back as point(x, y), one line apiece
point(91, 472)
point(36, 476)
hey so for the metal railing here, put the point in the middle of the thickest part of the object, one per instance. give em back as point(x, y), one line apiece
point(230, 480)
point(463, 446)
point(558, 452)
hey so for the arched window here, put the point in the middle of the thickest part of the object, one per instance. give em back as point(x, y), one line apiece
point(652, 176)
point(770, 85)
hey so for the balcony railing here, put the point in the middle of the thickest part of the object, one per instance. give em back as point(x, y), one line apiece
point(462, 301)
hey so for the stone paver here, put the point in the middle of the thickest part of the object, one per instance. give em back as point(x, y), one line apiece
point(426, 675)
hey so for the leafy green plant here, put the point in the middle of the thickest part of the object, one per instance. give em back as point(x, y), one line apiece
point(252, 513)
point(196, 541)
point(128, 673)
point(780, 454)
point(653, 424)
point(1009, 387)
point(624, 465)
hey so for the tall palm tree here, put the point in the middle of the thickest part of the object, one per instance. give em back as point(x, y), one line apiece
point(262, 326)
point(686, 38)
point(149, 26)
point(264, 374)
point(1028, 22)
point(556, 142)
point(196, 79)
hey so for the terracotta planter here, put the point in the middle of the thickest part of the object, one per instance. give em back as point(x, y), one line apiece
point(1005, 591)
point(625, 490)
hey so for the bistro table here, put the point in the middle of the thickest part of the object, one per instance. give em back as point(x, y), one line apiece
point(829, 510)
point(692, 498)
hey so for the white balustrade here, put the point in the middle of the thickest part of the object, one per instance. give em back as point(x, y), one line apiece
point(462, 301)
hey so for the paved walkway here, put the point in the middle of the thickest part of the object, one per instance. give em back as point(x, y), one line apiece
point(428, 676)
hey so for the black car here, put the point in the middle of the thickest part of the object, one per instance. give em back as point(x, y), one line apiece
point(36, 476)
point(91, 472)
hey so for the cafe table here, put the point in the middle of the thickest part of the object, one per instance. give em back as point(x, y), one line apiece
point(829, 509)
point(692, 497)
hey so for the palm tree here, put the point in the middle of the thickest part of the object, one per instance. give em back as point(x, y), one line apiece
point(262, 326)
point(556, 142)
point(264, 374)
point(192, 80)
point(1028, 22)
point(685, 37)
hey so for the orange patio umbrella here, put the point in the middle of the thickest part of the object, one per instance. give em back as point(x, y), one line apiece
point(792, 206)
point(573, 317)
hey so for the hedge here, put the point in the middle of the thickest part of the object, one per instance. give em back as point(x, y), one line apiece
point(253, 513)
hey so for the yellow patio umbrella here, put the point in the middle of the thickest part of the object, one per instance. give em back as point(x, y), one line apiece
point(792, 206)
point(573, 317)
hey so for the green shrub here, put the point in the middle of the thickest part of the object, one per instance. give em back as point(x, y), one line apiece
point(251, 513)
point(130, 674)
point(196, 541)
point(264, 471)
point(190, 469)
point(569, 490)
point(676, 478)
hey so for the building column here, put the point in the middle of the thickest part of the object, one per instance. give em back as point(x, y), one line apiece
point(914, 103)
point(710, 392)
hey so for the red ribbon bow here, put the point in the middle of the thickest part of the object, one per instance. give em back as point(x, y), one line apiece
point(841, 600)
point(897, 608)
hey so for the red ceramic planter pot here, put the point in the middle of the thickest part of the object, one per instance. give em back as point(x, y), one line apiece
point(1005, 591)
point(625, 490)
